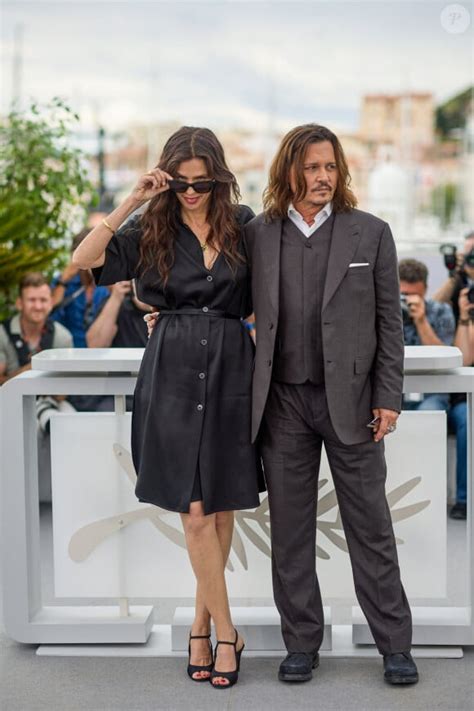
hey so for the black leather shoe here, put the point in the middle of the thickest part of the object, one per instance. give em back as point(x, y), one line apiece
point(458, 511)
point(400, 668)
point(298, 666)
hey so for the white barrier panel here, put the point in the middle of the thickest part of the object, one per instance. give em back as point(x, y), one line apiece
point(107, 544)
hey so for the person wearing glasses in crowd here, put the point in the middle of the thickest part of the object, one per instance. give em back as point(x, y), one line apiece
point(191, 443)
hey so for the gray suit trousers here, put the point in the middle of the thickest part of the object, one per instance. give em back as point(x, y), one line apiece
point(296, 423)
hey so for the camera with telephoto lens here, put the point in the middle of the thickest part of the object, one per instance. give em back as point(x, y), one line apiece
point(449, 253)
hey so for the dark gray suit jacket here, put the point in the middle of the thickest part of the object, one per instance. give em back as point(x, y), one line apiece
point(361, 321)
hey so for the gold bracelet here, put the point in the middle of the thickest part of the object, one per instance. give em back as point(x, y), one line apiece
point(104, 222)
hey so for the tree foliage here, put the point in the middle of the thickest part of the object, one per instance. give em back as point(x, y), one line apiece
point(453, 113)
point(43, 187)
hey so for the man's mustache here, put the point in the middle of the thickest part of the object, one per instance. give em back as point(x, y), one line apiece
point(320, 188)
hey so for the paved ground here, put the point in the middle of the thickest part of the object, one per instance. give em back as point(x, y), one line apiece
point(32, 683)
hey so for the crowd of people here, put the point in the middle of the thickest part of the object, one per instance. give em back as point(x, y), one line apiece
point(71, 311)
point(446, 319)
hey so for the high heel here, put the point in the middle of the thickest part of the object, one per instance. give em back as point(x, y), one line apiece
point(232, 676)
point(193, 668)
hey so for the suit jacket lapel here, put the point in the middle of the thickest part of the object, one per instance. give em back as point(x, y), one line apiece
point(270, 245)
point(344, 242)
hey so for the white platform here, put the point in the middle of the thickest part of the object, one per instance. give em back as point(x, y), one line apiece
point(127, 360)
point(159, 645)
point(89, 360)
point(108, 371)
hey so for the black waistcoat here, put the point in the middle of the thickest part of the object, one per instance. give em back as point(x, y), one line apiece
point(303, 267)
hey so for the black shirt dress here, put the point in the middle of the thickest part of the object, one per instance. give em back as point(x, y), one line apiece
point(192, 400)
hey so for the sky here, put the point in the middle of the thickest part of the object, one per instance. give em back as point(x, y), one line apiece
point(225, 63)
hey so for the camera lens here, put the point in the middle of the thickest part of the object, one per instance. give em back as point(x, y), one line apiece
point(449, 255)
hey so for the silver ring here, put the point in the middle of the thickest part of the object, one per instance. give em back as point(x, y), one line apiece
point(391, 428)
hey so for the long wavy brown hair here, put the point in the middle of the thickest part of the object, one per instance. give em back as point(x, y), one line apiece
point(160, 221)
point(278, 194)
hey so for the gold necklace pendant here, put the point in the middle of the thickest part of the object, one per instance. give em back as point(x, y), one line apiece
point(203, 246)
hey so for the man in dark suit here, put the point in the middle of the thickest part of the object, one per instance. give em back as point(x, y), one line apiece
point(329, 362)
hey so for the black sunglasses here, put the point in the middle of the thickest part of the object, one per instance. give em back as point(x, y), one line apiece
point(200, 186)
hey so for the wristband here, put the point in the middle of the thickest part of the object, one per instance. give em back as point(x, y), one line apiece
point(464, 322)
point(249, 326)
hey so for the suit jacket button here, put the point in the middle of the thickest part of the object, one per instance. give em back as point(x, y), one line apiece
point(269, 362)
point(271, 326)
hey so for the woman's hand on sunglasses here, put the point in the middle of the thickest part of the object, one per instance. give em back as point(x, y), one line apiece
point(151, 184)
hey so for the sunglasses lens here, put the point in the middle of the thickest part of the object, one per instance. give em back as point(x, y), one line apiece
point(179, 186)
point(203, 186)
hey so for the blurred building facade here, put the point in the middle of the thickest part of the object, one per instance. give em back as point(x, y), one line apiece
point(405, 121)
point(400, 169)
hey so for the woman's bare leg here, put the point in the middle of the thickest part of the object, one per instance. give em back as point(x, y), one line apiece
point(207, 559)
point(202, 619)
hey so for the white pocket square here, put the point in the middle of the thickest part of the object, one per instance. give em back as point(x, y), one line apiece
point(359, 264)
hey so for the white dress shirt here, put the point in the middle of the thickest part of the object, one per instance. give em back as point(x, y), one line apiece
point(303, 226)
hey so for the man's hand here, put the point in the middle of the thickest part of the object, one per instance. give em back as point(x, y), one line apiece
point(464, 305)
point(120, 289)
point(417, 307)
point(388, 418)
point(151, 320)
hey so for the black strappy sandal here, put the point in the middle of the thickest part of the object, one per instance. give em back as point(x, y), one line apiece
point(193, 668)
point(232, 676)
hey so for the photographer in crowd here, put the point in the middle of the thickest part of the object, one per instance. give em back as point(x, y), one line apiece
point(77, 302)
point(461, 276)
point(425, 323)
point(458, 291)
point(120, 323)
point(30, 331)
point(76, 298)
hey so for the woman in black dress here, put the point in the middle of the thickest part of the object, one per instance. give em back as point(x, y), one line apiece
point(192, 402)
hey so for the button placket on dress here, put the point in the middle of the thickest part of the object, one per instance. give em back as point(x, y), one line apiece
point(204, 341)
point(201, 373)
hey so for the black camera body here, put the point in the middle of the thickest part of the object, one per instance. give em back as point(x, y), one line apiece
point(405, 310)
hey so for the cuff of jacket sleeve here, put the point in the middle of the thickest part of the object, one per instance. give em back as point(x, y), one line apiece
point(387, 402)
point(386, 406)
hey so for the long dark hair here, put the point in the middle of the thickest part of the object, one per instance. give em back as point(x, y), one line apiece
point(278, 196)
point(160, 220)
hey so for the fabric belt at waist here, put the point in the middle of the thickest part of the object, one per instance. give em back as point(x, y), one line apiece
point(199, 312)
